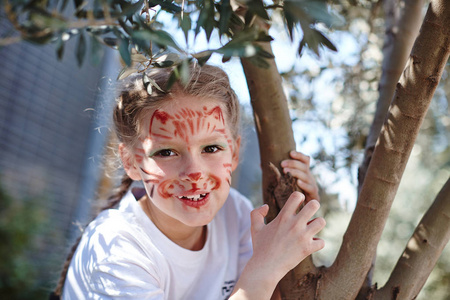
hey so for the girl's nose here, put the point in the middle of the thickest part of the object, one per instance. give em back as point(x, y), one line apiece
point(192, 171)
point(194, 176)
point(191, 176)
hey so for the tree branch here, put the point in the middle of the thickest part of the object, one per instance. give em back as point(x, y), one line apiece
point(422, 250)
point(402, 27)
point(408, 108)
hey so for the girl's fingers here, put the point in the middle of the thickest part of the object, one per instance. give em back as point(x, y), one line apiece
point(300, 156)
point(317, 244)
point(257, 218)
point(293, 203)
point(308, 188)
point(316, 225)
point(295, 164)
point(297, 174)
point(309, 210)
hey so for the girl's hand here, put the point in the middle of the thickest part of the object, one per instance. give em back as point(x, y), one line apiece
point(278, 246)
point(299, 168)
point(289, 238)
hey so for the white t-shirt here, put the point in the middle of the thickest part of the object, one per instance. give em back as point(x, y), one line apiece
point(122, 254)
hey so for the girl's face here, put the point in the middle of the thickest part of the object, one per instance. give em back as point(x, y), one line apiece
point(185, 158)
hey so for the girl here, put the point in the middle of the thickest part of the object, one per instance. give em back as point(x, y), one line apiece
point(187, 234)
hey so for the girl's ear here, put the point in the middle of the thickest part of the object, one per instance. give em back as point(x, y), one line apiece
point(129, 163)
point(235, 158)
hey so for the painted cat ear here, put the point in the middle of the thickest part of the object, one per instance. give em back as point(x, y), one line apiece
point(129, 162)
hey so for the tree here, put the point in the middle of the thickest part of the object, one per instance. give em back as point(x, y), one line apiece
point(134, 30)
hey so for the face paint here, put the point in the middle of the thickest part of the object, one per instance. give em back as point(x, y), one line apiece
point(185, 158)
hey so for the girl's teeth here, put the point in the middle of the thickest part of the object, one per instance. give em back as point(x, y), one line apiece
point(194, 198)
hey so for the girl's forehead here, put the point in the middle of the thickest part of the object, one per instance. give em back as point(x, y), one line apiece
point(184, 109)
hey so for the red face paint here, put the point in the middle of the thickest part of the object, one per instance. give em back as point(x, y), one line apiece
point(185, 157)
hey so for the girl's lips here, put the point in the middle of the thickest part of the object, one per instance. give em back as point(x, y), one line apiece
point(195, 201)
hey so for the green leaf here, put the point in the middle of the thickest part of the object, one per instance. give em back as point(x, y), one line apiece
point(241, 50)
point(257, 7)
point(163, 64)
point(314, 39)
point(124, 50)
point(206, 18)
point(160, 37)
point(60, 49)
point(129, 8)
point(184, 71)
point(203, 57)
point(185, 25)
point(111, 42)
point(125, 72)
point(174, 76)
point(81, 49)
point(96, 51)
point(263, 37)
point(226, 59)
point(224, 16)
point(319, 11)
point(309, 13)
point(166, 5)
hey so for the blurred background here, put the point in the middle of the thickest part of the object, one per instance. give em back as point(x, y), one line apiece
point(54, 135)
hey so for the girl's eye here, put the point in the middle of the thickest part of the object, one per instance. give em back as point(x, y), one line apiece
point(212, 149)
point(164, 153)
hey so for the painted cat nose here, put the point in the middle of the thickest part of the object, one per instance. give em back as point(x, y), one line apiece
point(194, 176)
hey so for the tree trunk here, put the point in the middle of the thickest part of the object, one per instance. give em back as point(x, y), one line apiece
point(406, 113)
point(276, 140)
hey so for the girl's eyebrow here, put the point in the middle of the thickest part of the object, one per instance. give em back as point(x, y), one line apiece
point(212, 138)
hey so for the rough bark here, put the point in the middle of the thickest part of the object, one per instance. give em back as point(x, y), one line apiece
point(276, 140)
point(402, 19)
point(406, 113)
point(422, 251)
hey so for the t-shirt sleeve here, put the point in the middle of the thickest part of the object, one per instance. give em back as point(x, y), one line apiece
point(111, 263)
point(124, 279)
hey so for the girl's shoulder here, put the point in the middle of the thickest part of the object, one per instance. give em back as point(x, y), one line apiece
point(116, 231)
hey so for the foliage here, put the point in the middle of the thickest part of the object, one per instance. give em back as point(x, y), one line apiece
point(21, 222)
point(133, 27)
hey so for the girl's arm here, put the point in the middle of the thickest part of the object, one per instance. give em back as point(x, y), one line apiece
point(278, 246)
point(299, 167)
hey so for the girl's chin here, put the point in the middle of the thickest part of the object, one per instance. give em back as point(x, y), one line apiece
point(198, 221)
